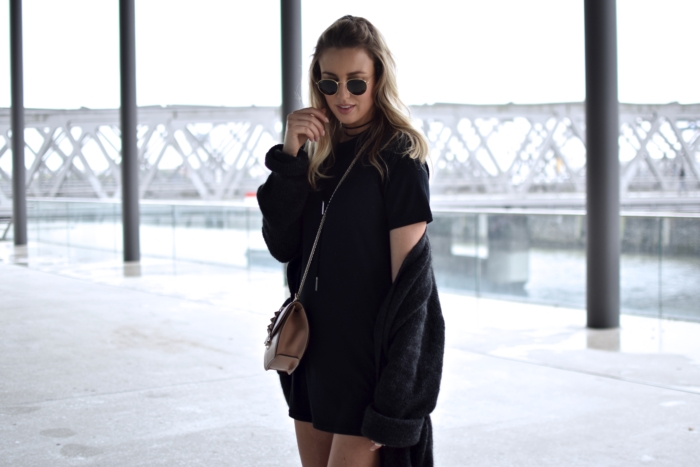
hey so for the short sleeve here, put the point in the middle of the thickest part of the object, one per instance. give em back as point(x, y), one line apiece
point(406, 192)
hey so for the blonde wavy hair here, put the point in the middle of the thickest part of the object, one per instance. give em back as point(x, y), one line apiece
point(391, 122)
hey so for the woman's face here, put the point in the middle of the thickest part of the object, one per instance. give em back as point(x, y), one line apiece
point(341, 65)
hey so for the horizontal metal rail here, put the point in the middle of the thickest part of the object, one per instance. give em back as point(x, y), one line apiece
point(439, 210)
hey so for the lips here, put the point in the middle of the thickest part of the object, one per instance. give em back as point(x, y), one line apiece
point(345, 109)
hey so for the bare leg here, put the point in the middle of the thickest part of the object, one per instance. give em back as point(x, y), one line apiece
point(352, 451)
point(314, 445)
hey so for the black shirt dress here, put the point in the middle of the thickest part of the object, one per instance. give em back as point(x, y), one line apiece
point(348, 279)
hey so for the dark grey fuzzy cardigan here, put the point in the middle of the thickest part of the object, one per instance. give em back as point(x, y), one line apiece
point(409, 331)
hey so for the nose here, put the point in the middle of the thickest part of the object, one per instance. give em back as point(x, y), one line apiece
point(343, 92)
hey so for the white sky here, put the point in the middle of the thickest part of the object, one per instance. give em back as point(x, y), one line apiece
point(226, 52)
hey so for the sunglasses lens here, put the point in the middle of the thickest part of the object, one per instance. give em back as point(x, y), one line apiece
point(356, 86)
point(328, 86)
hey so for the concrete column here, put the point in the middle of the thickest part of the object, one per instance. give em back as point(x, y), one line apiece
point(130, 156)
point(290, 16)
point(19, 171)
point(602, 166)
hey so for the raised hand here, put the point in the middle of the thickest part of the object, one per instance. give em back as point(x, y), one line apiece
point(304, 125)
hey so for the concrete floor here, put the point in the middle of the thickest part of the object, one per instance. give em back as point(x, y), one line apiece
point(161, 364)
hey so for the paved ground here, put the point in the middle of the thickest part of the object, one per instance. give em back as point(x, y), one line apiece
point(103, 365)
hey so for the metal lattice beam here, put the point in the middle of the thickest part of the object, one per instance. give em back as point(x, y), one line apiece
point(541, 148)
point(184, 152)
point(216, 153)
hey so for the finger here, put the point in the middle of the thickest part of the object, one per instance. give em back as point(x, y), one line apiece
point(309, 131)
point(308, 117)
point(318, 113)
point(298, 133)
point(312, 121)
point(305, 126)
point(311, 135)
point(301, 126)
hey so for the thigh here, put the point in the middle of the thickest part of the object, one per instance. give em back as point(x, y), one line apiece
point(314, 445)
point(352, 451)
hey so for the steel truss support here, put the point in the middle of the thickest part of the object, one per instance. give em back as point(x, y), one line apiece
point(517, 152)
point(602, 169)
point(19, 190)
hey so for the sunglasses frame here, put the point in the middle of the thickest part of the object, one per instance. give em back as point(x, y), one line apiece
point(338, 83)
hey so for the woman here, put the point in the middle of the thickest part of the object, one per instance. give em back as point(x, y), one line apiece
point(369, 379)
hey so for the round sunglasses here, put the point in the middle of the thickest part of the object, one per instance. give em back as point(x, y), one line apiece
point(329, 87)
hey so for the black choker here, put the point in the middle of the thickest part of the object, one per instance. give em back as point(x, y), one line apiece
point(355, 127)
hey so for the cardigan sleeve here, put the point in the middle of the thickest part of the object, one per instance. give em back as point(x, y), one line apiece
point(412, 356)
point(281, 199)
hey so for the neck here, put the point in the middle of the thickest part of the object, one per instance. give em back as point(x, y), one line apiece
point(356, 126)
point(347, 136)
point(352, 131)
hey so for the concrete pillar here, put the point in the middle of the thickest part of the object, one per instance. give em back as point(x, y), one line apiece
point(290, 19)
point(19, 171)
point(130, 156)
point(602, 166)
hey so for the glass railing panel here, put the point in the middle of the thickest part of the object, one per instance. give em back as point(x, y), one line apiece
point(506, 268)
point(458, 253)
point(518, 256)
point(236, 239)
point(639, 265)
point(33, 222)
point(201, 235)
point(157, 230)
point(52, 222)
point(257, 254)
point(93, 225)
point(680, 267)
point(537, 258)
point(556, 257)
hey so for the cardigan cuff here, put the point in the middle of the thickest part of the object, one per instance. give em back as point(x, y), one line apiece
point(286, 165)
point(392, 432)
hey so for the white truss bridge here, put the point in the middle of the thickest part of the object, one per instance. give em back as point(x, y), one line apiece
point(217, 153)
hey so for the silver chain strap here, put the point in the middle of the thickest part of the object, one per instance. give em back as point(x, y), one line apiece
point(318, 234)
